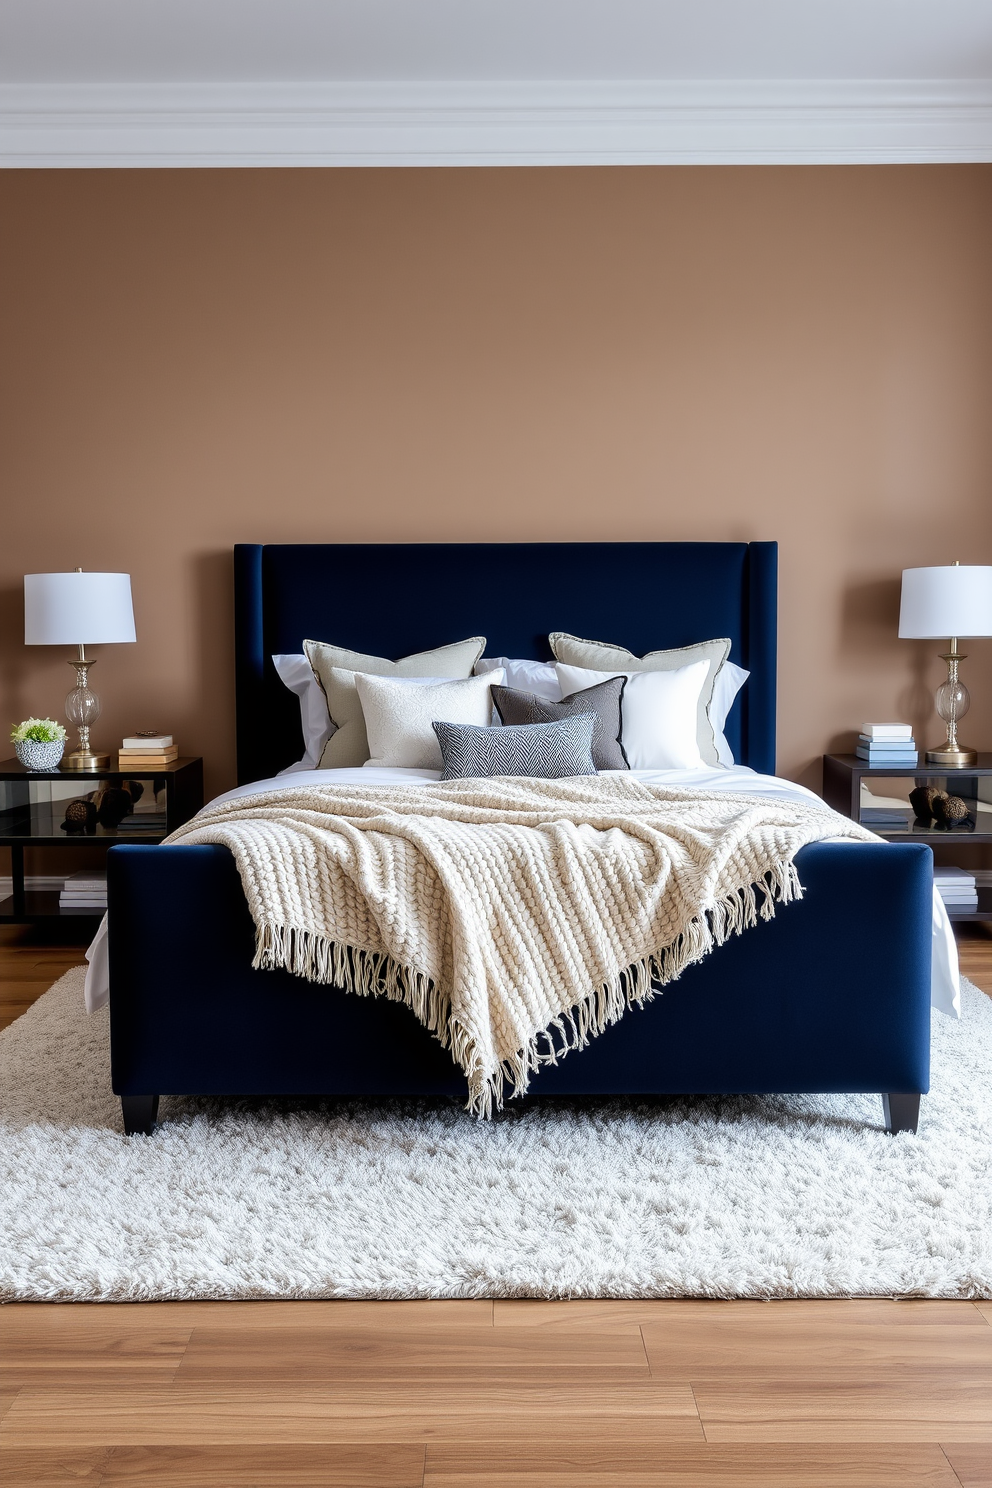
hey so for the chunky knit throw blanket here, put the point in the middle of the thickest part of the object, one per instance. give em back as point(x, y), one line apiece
point(517, 918)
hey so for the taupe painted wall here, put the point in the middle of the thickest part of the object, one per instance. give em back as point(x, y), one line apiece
point(196, 358)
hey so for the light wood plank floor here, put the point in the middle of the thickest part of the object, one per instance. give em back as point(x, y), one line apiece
point(858, 1394)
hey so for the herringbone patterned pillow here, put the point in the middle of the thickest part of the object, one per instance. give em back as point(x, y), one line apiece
point(548, 751)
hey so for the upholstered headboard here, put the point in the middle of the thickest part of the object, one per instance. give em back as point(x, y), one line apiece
point(391, 599)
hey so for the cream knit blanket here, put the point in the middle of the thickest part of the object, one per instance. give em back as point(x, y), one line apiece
point(517, 918)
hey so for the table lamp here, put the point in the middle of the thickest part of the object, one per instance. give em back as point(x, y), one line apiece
point(79, 609)
point(954, 601)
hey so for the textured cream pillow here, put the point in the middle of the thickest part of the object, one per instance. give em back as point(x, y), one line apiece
point(348, 745)
point(399, 719)
point(599, 656)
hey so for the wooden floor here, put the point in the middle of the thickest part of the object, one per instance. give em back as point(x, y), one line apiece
point(857, 1394)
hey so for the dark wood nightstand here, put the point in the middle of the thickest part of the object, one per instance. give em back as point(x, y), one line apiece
point(32, 808)
point(842, 780)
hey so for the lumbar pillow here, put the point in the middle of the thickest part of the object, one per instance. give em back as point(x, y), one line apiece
point(603, 701)
point(549, 751)
point(600, 657)
point(399, 718)
point(538, 677)
point(658, 712)
point(348, 745)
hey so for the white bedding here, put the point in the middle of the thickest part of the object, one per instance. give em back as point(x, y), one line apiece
point(945, 991)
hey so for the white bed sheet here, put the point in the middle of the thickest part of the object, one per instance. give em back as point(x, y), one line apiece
point(945, 987)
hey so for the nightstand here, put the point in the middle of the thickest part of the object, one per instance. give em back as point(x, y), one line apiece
point(843, 777)
point(32, 807)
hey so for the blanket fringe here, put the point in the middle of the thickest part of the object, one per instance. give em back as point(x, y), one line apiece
point(369, 973)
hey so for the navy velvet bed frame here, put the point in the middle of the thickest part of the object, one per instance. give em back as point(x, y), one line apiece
point(832, 995)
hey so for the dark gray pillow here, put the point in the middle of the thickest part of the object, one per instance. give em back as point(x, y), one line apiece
point(603, 700)
point(549, 751)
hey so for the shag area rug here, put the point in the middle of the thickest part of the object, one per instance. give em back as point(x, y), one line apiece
point(790, 1196)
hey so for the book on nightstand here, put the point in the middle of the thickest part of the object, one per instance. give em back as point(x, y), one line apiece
point(148, 743)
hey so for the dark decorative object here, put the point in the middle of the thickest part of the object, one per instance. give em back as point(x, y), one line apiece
point(922, 800)
point(951, 809)
point(115, 804)
point(80, 816)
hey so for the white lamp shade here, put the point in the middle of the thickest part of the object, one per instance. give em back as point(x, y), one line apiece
point(77, 609)
point(951, 601)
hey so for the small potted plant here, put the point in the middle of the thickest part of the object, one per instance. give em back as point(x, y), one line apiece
point(38, 743)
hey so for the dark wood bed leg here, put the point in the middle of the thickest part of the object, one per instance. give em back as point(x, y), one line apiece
point(902, 1112)
point(140, 1113)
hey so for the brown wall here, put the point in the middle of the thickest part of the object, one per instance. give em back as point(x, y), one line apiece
point(192, 358)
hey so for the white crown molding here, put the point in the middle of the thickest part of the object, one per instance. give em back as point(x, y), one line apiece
point(471, 124)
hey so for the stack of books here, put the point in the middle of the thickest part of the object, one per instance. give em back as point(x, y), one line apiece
point(85, 890)
point(143, 751)
point(892, 744)
point(957, 888)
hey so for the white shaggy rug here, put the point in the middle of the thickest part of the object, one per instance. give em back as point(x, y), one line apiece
point(734, 1197)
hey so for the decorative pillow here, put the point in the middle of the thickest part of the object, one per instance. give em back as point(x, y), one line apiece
point(296, 673)
point(538, 677)
point(549, 751)
point(659, 712)
point(603, 701)
point(399, 718)
point(348, 745)
point(601, 657)
point(729, 681)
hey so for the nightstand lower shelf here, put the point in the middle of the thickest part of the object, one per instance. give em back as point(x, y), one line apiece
point(43, 904)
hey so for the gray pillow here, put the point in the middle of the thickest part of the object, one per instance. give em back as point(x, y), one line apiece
point(603, 700)
point(549, 751)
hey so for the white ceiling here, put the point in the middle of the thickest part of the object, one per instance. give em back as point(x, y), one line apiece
point(458, 40)
point(126, 82)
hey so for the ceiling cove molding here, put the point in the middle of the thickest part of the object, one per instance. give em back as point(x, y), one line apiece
point(495, 123)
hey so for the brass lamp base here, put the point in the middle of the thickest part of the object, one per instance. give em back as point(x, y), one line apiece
point(952, 757)
point(83, 759)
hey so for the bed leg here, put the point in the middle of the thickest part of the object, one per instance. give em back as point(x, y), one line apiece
point(902, 1112)
point(140, 1113)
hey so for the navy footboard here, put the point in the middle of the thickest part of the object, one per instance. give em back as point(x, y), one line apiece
point(831, 995)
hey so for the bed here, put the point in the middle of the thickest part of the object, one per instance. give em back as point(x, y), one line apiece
point(832, 995)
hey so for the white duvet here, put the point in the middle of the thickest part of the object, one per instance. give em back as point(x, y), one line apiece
point(945, 991)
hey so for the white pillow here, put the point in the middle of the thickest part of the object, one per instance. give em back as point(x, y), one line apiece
point(729, 681)
point(538, 677)
point(658, 713)
point(399, 718)
point(296, 673)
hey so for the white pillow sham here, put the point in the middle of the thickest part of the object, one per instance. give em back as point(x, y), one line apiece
point(658, 713)
point(729, 681)
point(538, 677)
point(296, 673)
point(399, 719)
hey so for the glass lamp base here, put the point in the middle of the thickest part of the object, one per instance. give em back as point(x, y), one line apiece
point(83, 759)
point(955, 758)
